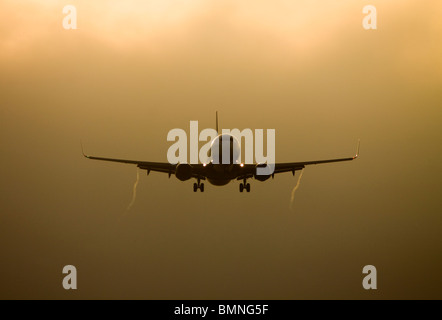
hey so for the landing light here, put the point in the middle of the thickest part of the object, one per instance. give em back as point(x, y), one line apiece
point(241, 165)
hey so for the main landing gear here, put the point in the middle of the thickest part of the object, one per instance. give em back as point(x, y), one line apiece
point(243, 186)
point(197, 186)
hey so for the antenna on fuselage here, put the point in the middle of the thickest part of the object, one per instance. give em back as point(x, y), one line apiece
point(217, 122)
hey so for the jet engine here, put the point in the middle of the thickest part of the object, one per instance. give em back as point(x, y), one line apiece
point(183, 171)
point(261, 177)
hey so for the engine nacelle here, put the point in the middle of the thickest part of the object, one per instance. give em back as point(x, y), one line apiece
point(261, 177)
point(183, 171)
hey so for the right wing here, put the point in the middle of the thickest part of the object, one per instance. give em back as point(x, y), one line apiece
point(293, 166)
point(250, 169)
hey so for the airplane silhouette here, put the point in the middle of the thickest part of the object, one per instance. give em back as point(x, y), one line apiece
point(220, 174)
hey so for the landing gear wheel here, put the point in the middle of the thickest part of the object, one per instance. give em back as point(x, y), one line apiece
point(241, 187)
point(195, 187)
point(202, 187)
point(247, 187)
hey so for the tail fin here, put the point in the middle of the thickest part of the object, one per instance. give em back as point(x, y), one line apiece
point(217, 122)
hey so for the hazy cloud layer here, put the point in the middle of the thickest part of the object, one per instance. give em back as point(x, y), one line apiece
point(136, 69)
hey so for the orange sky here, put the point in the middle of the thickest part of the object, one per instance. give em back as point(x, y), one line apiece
point(133, 70)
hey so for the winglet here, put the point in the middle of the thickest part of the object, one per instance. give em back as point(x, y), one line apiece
point(217, 122)
point(82, 150)
point(357, 150)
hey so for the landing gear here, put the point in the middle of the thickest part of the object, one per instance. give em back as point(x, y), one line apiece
point(197, 186)
point(243, 186)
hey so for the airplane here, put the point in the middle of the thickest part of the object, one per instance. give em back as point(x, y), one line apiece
point(216, 173)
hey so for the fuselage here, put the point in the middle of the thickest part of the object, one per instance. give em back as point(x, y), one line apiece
point(224, 157)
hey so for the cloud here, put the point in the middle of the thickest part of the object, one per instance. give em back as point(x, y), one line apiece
point(301, 24)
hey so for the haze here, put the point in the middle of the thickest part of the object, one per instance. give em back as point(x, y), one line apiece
point(133, 70)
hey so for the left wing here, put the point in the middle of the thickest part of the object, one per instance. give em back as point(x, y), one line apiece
point(153, 166)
